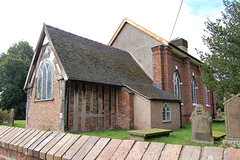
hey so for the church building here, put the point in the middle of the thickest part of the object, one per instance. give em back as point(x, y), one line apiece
point(168, 64)
point(138, 80)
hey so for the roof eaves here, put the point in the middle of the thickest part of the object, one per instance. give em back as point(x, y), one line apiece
point(169, 100)
point(117, 31)
point(138, 27)
point(94, 82)
point(66, 77)
point(136, 92)
point(193, 59)
point(35, 57)
point(151, 98)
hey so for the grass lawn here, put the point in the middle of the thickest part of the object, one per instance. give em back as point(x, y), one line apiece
point(17, 123)
point(181, 136)
point(114, 134)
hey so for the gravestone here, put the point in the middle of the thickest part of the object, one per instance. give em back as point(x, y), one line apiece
point(219, 114)
point(232, 119)
point(201, 125)
point(11, 117)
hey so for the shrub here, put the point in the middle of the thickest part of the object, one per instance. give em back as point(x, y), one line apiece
point(3, 115)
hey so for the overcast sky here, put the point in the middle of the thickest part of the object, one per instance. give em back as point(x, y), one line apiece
point(99, 19)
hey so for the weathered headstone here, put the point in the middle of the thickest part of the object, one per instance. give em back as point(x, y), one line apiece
point(232, 119)
point(201, 125)
point(11, 117)
point(219, 114)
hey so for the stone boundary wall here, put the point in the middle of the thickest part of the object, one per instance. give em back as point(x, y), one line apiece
point(31, 144)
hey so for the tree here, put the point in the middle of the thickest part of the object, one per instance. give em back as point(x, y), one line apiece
point(14, 68)
point(221, 67)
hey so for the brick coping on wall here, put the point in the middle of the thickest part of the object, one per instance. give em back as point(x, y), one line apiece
point(18, 143)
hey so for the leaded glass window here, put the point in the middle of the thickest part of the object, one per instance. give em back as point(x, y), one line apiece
point(166, 113)
point(176, 85)
point(45, 81)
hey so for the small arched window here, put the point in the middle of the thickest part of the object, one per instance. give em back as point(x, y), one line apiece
point(45, 81)
point(194, 92)
point(176, 85)
point(166, 113)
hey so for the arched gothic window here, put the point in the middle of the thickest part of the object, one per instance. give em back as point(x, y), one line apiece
point(194, 93)
point(166, 113)
point(45, 81)
point(206, 96)
point(176, 85)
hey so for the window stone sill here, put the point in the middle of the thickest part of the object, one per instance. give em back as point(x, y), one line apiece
point(167, 121)
point(194, 104)
point(43, 100)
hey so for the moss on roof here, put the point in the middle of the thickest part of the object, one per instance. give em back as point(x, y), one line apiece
point(87, 60)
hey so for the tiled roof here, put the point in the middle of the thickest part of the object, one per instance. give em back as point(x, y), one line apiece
point(152, 92)
point(90, 61)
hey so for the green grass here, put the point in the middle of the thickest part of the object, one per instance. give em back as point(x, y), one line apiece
point(183, 136)
point(180, 136)
point(17, 123)
point(114, 134)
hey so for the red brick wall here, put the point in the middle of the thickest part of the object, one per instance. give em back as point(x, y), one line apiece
point(167, 66)
point(211, 102)
point(163, 54)
point(45, 114)
point(157, 64)
point(125, 109)
point(6, 154)
point(92, 147)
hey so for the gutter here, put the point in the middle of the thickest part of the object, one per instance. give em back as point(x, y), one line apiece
point(213, 106)
point(180, 115)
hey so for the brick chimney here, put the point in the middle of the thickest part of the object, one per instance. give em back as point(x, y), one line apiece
point(161, 57)
point(180, 43)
